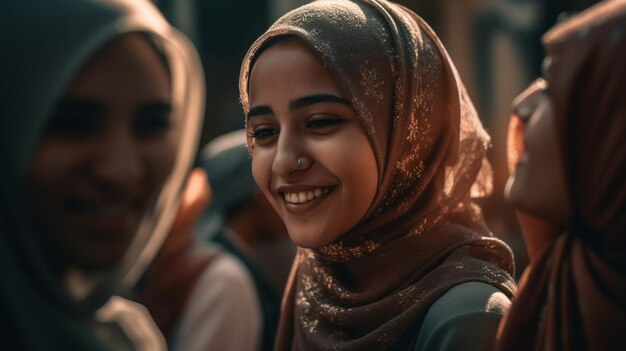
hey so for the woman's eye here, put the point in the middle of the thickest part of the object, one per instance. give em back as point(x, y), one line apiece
point(524, 110)
point(153, 119)
point(152, 124)
point(319, 123)
point(75, 119)
point(528, 102)
point(264, 132)
point(73, 125)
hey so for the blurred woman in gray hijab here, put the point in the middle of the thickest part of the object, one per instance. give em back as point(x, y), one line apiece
point(100, 119)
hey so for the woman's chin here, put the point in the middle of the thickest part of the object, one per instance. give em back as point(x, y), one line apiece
point(307, 240)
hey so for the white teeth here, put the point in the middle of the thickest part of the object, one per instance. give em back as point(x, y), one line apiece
point(305, 196)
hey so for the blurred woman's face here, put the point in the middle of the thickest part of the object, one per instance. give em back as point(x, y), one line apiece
point(297, 112)
point(538, 184)
point(105, 154)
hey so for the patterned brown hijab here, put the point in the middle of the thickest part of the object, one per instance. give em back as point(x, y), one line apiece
point(371, 289)
point(574, 298)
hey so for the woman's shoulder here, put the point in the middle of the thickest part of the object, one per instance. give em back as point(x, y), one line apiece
point(223, 311)
point(466, 317)
point(224, 274)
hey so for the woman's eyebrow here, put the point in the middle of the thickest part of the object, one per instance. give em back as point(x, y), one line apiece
point(80, 104)
point(299, 103)
point(155, 107)
point(314, 99)
point(259, 110)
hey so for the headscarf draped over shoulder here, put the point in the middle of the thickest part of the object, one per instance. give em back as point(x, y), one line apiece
point(574, 297)
point(370, 289)
point(45, 44)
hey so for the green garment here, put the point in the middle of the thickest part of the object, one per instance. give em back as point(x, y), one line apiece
point(465, 318)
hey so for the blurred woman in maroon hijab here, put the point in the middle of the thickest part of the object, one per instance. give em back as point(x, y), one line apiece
point(569, 183)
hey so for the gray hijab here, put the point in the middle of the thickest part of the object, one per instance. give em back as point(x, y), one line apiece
point(45, 43)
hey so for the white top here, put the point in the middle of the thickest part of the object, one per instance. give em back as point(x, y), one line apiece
point(223, 311)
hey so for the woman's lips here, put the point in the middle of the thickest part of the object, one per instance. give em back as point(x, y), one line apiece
point(302, 201)
point(100, 217)
point(300, 197)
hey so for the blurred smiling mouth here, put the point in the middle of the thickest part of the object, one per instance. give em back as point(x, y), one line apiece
point(98, 209)
point(104, 217)
point(301, 197)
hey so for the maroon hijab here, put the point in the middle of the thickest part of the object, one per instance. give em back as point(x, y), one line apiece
point(574, 297)
point(371, 289)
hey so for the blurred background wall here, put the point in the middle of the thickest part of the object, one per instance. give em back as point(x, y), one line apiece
point(494, 43)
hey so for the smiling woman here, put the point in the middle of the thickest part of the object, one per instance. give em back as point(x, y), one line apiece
point(98, 130)
point(105, 154)
point(365, 142)
point(312, 159)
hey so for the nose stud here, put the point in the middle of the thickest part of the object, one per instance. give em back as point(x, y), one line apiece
point(303, 163)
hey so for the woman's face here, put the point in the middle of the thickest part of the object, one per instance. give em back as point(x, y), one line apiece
point(538, 184)
point(298, 112)
point(105, 154)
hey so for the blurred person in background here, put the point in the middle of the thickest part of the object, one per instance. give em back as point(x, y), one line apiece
point(242, 222)
point(210, 290)
point(201, 297)
point(171, 277)
point(566, 145)
point(102, 103)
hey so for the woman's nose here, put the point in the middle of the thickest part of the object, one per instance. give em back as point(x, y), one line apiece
point(290, 156)
point(118, 165)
